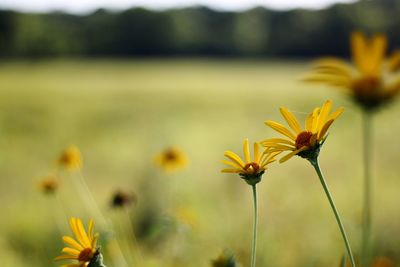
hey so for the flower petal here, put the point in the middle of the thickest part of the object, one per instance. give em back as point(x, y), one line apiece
point(256, 152)
point(70, 241)
point(324, 129)
point(235, 158)
point(232, 164)
point(270, 141)
point(326, 107)
point(288, 156)
point(335, 114)
point(246, 150)
point(280, 129)
point(291, 120)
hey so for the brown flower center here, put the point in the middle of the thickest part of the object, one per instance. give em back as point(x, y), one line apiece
point(252, 167)
point(170, 155)
point(303, 139)
point(86, 255)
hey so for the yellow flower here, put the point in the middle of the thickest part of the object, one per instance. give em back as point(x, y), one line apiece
point(83, 247)
point(186, 216)
point(48, 184)
point(71, 158)
point(171, 159)
point(303, 142)
point(371, 80)
point(250, 170)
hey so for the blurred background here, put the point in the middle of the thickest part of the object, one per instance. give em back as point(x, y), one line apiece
point(124, 81)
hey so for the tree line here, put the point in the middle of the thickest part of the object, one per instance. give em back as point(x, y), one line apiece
point(194, 31)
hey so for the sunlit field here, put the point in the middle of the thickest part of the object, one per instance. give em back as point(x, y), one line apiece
point(120, 114)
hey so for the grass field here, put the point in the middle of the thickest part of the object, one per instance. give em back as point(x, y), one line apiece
point(121, 113)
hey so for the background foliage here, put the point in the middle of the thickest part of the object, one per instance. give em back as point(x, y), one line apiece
point(195, 31)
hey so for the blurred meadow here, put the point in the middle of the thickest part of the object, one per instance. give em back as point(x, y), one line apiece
point(94, 108)
point(122, 113)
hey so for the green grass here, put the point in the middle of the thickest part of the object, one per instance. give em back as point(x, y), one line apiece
point(120, 113)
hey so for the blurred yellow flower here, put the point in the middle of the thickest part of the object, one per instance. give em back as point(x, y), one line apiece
point(383, 262)
point(171, 159)
point(71, 158)
point(302, 142)
point(249, 170)
point(49, 184)
point(83, 247)
point(371, 80)
point(186, 216)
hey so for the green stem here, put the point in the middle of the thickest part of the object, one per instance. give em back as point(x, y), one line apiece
point(335, 211)
point(97, 260)
point(366, 222)
point(254, 245)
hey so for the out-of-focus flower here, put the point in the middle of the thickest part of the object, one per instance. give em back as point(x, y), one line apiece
point(171, 159)
point(378, 262)
point(186, 216)
point(383, 262)
point(122, 199)
point(49, 184)
point(249, 170)
point(225, 260)
point(71, 158)
point(83, 247)
point(306, 142)
point(371, 80)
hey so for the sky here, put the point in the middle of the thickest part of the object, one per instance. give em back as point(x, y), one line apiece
point(85, 6)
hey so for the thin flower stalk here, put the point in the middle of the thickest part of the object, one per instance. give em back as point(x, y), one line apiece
point(251, 171)
point(307, 144)
point(372, 80)
point(367, 196)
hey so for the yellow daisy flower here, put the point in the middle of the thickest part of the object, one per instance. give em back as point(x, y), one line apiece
point(302, 142)
point(171, 159)
point(371, 80)
point(49, 184)
point(250, 170)
point(71, 158)
point(83, 247)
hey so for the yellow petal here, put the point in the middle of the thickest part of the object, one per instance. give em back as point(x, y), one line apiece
point(75, 231)
point(94, 240)
point(335, 114)
point(256, 152)
point(291, 120)
point(288, 156)
point(326, 107)
point(246, 150)
point(83, 234)
point(280, 129)
point(232, 164)
point(315, 120)
point(359, 49)
point(309, 122)
point(324, 129)
point(270, 141)
point(72, 242)
point(235, 158)
point(70, 251)
point(282, 147)
point(330, 79)
point(376, 54)
point(90, 229)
